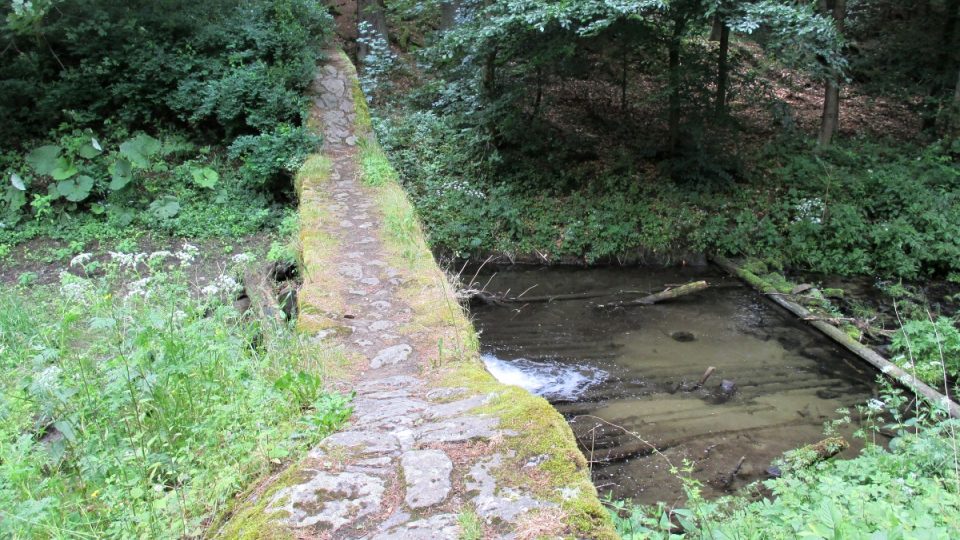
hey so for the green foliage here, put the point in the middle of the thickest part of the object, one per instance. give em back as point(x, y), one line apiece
point(224, 66)
point(863, 207)
point(287, 247)
point(931, 349)
point(134, 408)
point(270, 156)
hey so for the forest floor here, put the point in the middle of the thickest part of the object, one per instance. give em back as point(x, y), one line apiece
point(425, 455)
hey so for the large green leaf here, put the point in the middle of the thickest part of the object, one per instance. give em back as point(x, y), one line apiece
point(64, 169)
point(90, 150)
point(44, 159)
point(205, 177)
point(76, 189)
point(139, 150)
point(121, 173)
point(165, 207)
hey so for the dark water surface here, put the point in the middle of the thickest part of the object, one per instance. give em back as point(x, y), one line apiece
point(635, 369)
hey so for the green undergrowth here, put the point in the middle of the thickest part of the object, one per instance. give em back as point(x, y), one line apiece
point(863, 207)
point(148, 118)
point(134, 407)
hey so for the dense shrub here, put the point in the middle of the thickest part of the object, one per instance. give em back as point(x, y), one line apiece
point(225, 66)
point(136, 101)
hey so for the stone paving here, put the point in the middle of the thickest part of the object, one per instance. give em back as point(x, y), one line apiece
point(398, 469)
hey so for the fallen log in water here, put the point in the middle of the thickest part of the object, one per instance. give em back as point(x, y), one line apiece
point(500, 299)
point(671, 293)
point(866, 353)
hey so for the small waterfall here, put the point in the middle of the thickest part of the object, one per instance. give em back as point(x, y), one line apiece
point(553, 380)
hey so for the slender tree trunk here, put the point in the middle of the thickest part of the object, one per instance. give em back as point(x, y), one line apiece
point(373, 13)
point(490, 74)
point(448, 14)
point(830, 121)
point(953, 130)
point(539, 96)
point(722, 71)
point(673, 121)
point(624, 56)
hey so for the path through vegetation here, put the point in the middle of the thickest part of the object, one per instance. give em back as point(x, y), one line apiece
point(417, 459)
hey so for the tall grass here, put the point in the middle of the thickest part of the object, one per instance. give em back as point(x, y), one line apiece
point(137, 408)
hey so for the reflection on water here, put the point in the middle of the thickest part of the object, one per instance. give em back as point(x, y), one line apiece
point(626, 378)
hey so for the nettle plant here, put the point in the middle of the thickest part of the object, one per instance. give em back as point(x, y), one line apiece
point(81, 172)
point(929, 348)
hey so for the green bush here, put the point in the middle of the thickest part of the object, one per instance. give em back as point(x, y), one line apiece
point(272, 155)
point(224, 66)
point(134, 408)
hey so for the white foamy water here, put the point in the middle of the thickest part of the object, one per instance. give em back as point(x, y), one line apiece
point(546, 378)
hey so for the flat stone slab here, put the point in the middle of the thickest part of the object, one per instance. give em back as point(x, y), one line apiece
point(394, 411)
point(351, 270)
point(494, 502)
point(329, 499)
point(364, 442)
point(391, 355)
point(427, 473)
point(438, 527)
point(388, 383)
point(463, 428)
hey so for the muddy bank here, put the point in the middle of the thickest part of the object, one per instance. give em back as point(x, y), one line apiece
point(636, 369)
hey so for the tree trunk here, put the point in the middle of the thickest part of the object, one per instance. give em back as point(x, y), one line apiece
point(448, 14)
point(673, 121)
point(830, 120)
point(490, 74)
point(624, 56)
point(953, 130)
point(373, 13)
point(722, 70)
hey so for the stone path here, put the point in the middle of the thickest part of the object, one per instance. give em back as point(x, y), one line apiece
point(414, 459)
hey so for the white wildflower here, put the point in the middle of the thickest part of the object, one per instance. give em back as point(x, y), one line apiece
point(209, 290)
point(73, 287)
point(809, 209)
point(187, 253)
point(876, 405)
point(242, 258)
point(81, 259)
point(162, 254)
point(131, 260)
point(139, 288)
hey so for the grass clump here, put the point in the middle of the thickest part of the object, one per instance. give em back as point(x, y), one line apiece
point(134, 407)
